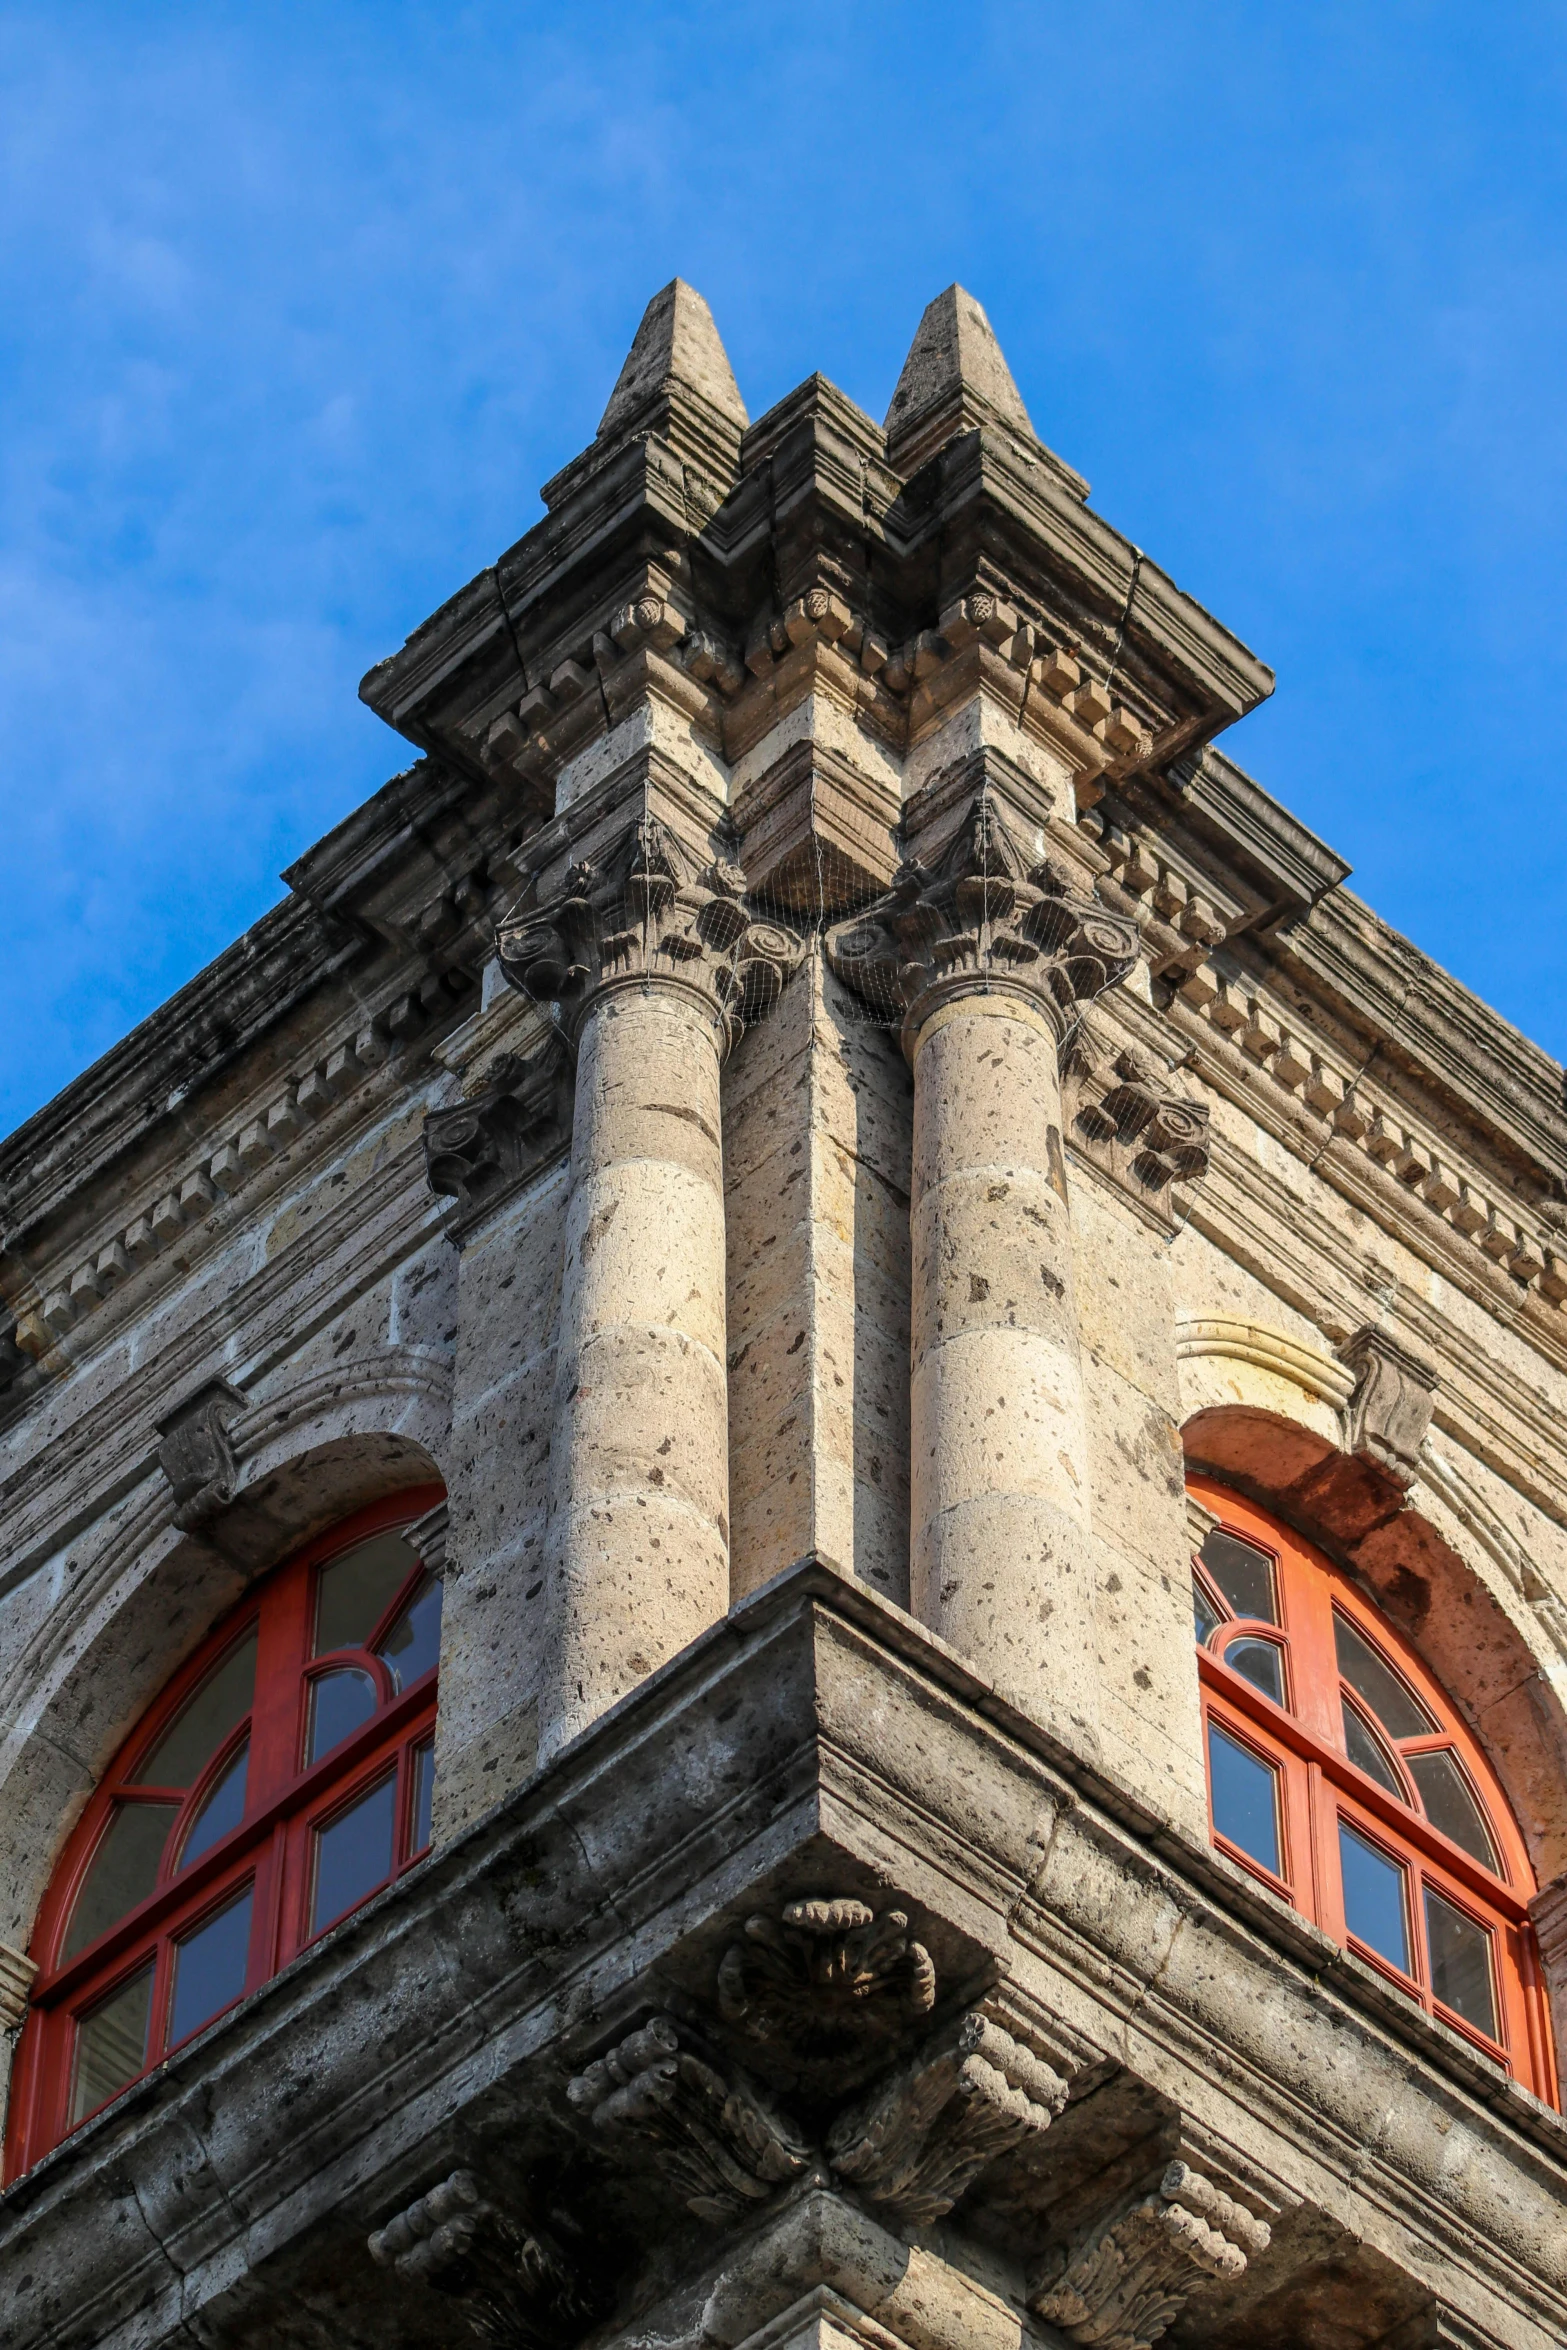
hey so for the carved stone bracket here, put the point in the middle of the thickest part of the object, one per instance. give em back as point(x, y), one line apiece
point(985, 918)
point(825, 1982)
point(1390, 1410)
point(715, 2142)
point(482, 1150)
point(1128, 2282)
point(16, 1980)
point(970, 2097)
point(196, 1454)
point(1132, 1125)
point(653, 914)
point(515, 2285)
point(427, 1538)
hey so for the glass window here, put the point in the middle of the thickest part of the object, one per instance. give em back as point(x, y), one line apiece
point(1460, 1963)
point(353, 1855)
point(414, 1642)
point(219, 1706)
point(124, 1871)
point(224, 1834)
point(1260, 1662)
point(1393, 1703)
point(209, 1968)
point(356, 1590)
point(1243, 1574)
point(223, 1809)
point(111, 2044)
point(1450, 1805)
point(1245, 1798)
point(1374, 1905)
point(1366, 1751)
point(340, 1702)
point(1205, 1614)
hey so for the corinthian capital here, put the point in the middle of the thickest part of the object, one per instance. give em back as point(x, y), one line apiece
point(984, 920)
point(650, 914)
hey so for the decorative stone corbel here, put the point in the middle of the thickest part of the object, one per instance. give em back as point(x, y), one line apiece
point(1128, 2282)
point(482, 1150)
point(713, 2140)
point(826, 1981)
point(515, 2285)
point(196, 1454)
point(427, 1538)
point(970, 2097)
point(1130, 1124)
point(1390, 1409)
point(16, 1980)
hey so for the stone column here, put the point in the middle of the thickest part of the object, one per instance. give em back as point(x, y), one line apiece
point(990, 958)
point(653, 973)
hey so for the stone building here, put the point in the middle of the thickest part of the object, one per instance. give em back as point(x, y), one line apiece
point(785, 1530)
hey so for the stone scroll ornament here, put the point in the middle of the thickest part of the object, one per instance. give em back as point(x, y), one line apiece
point(516, 2285)
point(480, 1150)
point(652, 913)
point(987, 919)
point(1130, 2280)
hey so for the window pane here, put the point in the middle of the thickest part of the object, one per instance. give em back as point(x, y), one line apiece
point(209, 1968)
point(1451, 1806)
point(414, 1643)
point(1460, 1963)
point(424, 1792)
point(1205, 1613)
point(1373, 1898)
point(219, 1706)
point(1243, 1573)
point(223, 1809)
point(111, 2045)
point(339, 1702)
point(124, 1871)
point(1365, 1750)
point(356, 1590)
point(353, 1854)
point(1245, 1798)
point(1394, 1704)
point(1261, 1663)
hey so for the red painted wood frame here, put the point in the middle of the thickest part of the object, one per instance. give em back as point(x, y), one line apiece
point(271, 1850)
point(1318, 1788)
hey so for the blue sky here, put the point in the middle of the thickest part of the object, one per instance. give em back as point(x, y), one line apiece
point(299, 304)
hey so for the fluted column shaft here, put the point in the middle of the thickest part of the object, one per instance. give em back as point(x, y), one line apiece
point(999, 1549)
point(639, 1534)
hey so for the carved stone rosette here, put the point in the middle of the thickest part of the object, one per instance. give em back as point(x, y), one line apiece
point(514, 2284)
point(985, 918)
point(653, 914)
point(1126, 2285)
point(714, 2141)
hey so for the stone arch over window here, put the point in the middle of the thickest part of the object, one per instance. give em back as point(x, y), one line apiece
point(282, 1776)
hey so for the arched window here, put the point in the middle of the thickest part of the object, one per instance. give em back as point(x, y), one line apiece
point(1340, 1773)
point(284, 1775)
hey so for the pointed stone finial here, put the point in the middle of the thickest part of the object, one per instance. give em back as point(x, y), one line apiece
point(677, 342)
point(676, 386)
point(954, 378)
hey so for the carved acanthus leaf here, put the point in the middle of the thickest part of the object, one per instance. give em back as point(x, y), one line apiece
point(480, 1150)
point(654, 914)
point(1390, 1410)
point(712, 2139)
point(826, 1980)
point(985, 917)
point(516, 2286)
point(1126, 2285)
point(919, 2143)
point(196, 1454)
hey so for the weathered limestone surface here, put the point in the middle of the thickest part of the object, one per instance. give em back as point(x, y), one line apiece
point(811, 1105)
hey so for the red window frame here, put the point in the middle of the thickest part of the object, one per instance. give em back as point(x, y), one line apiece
point(273, 1849)
point(1317, 1788)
